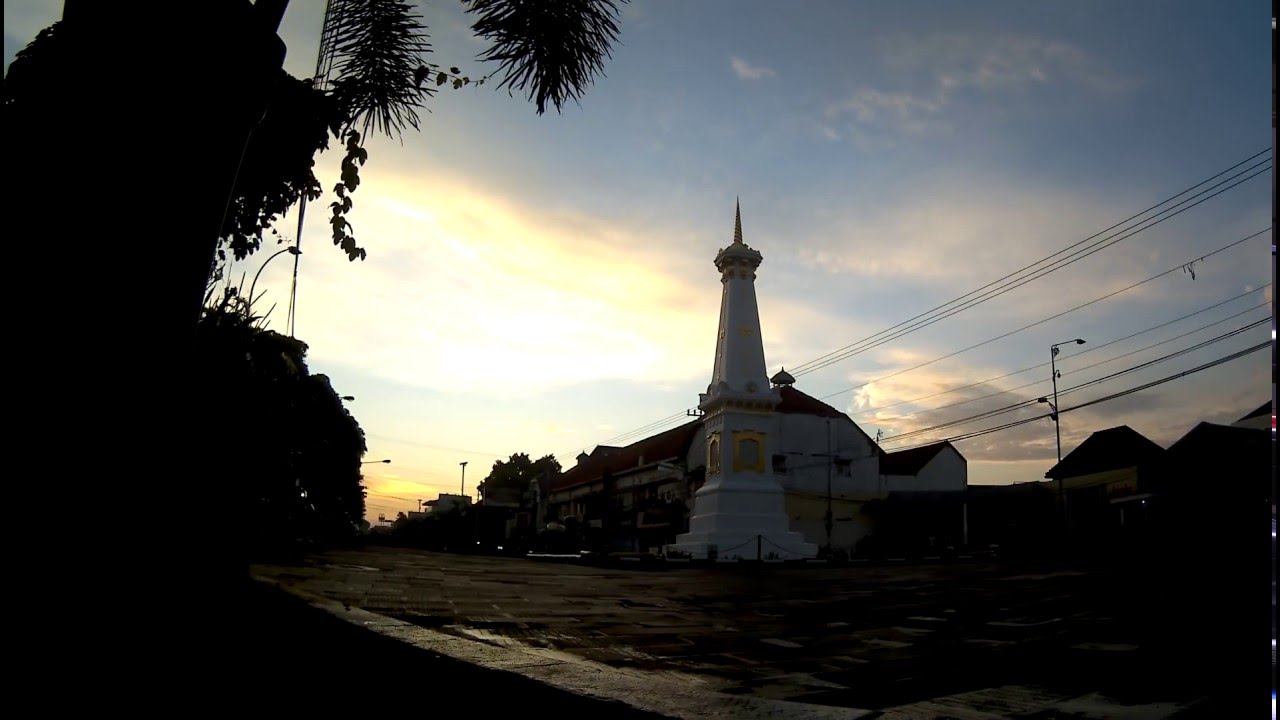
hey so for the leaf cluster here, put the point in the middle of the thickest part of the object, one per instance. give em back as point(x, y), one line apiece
point(549, 49)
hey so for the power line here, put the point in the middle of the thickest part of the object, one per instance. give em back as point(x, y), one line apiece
point(988, 341)
point(1025, 403)
point(384, 495)
point(965, 436)
point(1091, 348)
point(1113, 396)
point(1005, 289)
point(1015, 406)
point(813, 364)
point(414, 443)
point(645, 428)
point(1174, 269)
point(804, 365)
point(1080, 369)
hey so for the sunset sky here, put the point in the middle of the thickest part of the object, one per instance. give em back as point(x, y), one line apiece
point(545, 284)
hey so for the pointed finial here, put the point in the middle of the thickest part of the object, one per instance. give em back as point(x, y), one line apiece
point(737, 222)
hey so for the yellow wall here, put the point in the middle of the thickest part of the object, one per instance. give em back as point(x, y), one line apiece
point(808, 513)
point(1127, 475)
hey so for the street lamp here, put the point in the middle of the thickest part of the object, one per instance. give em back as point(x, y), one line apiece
point(1053, 406)
point(464, 477)
point(291, 250)
point(348, 398)
point(1053, 366)
point(374, 462)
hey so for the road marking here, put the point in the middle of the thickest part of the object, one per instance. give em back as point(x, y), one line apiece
point(781, 643)
point(1011, 624)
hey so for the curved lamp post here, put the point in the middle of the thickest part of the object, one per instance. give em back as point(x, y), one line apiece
point(291, 250)
point(1053, 407)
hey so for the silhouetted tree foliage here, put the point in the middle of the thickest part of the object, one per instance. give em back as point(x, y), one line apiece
point(378, 45)
point(24, 82)
point(279, 164)
point(509, 479)
point(550, 49)
point(278, 438)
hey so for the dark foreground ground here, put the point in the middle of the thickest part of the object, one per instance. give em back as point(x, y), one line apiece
point(1132, 640)
point(300, 658)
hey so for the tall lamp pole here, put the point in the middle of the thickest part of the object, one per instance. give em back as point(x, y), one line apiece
point(829, 460)
point(464, 477)
point(291, 250)
point(1053, 406)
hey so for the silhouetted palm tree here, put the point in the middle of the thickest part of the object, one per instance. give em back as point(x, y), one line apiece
point(550, 50)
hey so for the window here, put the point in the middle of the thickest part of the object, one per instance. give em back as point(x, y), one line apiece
point(780, 464)
point(748, 451)
point(844, 467)
point(713, 454)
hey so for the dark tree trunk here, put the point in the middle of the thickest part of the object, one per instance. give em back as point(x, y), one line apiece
point(121, 167)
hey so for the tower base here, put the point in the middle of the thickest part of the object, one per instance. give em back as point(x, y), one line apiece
point(742, 518)
point(738, 545)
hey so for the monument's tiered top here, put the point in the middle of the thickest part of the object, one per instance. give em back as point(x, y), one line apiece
point(738, 375)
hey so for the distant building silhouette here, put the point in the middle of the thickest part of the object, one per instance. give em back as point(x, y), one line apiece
point(1262, 419)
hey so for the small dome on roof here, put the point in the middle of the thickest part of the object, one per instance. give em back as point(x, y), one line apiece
point(783, 378)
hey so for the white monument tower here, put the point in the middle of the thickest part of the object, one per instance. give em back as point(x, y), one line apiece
point(740, 511)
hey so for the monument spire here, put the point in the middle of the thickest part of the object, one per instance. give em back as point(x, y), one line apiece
point(740, 511)
point(739, 364)
point(737, 222)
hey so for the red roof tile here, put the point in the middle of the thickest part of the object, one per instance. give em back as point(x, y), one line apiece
point(675, 443)
point(671, 444)
point(795, 402)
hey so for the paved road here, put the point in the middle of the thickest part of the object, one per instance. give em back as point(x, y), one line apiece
point(959, 640)
point(302, 659)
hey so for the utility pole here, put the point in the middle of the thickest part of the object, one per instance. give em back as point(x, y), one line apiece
point(1057, 423)
point(830, 455)
point(463, 491)
point(829, 461)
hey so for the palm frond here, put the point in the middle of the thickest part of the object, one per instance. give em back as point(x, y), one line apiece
point(549, 49)
point(377, 49)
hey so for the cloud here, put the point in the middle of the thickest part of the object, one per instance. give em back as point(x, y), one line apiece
point(952, 232)
point(870, 106)
point(1163, 414)
point(1003, 63)
point(746, 71)
point(465, 291)
point(937, 70)
point(890, 405)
